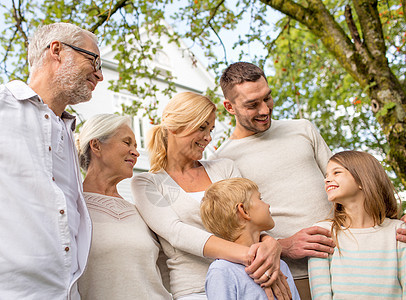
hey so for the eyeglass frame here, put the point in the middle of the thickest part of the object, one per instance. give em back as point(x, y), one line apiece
point(97, 63)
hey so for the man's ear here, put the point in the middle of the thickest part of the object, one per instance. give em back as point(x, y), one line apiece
point(55, 49)
point(242, 212)
point(95, 147)
point(229, 106)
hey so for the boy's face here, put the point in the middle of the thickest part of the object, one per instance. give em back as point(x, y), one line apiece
point(260, 213)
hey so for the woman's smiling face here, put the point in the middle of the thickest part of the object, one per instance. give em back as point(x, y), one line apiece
point(192, 145)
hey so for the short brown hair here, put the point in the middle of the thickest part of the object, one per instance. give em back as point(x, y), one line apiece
point(218, 209)
point(238, 73)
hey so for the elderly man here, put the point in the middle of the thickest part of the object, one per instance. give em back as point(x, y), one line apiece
point(45, 228)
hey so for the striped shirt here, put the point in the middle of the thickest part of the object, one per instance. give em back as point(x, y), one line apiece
point(372, 265)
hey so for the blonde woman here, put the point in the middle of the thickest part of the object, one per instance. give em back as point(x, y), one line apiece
point(124, 252)
point(168, 198)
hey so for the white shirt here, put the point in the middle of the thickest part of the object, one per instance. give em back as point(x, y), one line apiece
point(65, 177)
point(36, 258)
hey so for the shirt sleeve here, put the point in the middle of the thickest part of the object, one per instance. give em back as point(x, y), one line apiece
point(220, 285)
point(319, 278)
point(401, 250)
point(322, 152)
point(229, 167)
point(156, 210)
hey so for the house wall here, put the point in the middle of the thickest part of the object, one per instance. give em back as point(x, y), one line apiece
point(189, 75)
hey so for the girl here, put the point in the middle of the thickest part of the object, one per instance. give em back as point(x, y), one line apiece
point(369, 263)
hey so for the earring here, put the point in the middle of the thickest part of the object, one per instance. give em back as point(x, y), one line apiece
point(360, 187)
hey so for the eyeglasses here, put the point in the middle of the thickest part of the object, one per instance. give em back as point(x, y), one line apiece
point(97, 64)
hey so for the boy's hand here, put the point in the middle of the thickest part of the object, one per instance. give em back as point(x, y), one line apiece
point(267, 259)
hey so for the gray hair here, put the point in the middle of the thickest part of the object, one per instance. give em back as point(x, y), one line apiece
point(44, 35)
point(99, 127)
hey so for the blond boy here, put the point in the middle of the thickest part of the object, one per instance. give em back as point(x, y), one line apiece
point(233, 210)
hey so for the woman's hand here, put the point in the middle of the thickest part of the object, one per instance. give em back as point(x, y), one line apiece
point(279, 289)
point(267, 259)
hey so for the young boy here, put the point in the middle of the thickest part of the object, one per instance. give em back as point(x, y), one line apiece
point(233, 210)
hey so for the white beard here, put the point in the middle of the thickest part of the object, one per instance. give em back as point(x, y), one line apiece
point(70, 84)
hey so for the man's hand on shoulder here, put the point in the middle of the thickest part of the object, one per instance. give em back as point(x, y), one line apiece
point(313, 241)
point(401, 232)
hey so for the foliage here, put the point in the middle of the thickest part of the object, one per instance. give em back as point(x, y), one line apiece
point(308, 77)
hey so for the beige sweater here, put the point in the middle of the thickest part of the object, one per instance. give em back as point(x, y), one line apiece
point(288, 162)
point(175, 217)
point(123, 257)
point(371, 265)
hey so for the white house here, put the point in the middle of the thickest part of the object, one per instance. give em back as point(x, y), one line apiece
point(189, 75)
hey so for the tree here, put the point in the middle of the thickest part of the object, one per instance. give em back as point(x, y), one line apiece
point(364, 57)
point(330, 65)
point(338, 63)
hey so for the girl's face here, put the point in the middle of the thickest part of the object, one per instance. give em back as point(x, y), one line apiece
point(340, 185)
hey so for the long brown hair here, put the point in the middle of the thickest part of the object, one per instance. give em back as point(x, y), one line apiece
point(380, 201)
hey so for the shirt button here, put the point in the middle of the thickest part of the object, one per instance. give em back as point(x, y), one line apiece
point(61, 211)
point(53, 178)
point(46, 116)
point(66, 249)
point(49, 148)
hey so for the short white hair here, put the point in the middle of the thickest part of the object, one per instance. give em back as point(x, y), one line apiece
point(46, 34)
point(99, 127)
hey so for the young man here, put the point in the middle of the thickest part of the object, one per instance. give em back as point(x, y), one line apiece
point(287, 159)
point(45, 227)
point(233, 209)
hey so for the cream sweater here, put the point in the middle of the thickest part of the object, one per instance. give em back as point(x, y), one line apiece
point(124, 252)
point(372, 265)
point(175, 217)
point(288, 162)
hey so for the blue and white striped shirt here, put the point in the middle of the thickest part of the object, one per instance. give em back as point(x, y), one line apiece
point(372, 265)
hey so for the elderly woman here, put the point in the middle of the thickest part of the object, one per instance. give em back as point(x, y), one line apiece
point(168, 199)
point(123, 258)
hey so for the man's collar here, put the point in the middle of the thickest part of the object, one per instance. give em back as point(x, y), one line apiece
point(67, 117)
point(20, 90)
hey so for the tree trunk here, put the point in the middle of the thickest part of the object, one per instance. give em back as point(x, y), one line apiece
point(365, 60)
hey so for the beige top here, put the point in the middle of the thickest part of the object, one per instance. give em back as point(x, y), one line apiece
point(123, 257)
point(370, 265)
point(174, 216)
point(288, 162)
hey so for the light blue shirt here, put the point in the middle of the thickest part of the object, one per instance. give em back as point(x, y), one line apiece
point(229, 281)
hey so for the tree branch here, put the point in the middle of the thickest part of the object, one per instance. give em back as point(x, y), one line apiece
point(322, 24)
point(19, 20)
point(371, 28)
point(404, 9)
point(224, 48)
point(352, 27)
point(106, 15)
point(212, 15)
